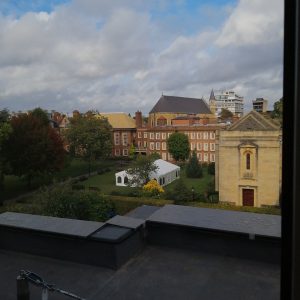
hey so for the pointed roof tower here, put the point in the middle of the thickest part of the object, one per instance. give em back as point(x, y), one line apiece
point(212, 95)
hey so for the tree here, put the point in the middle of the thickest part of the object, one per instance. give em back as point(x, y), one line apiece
point(41, 115)
point(89, 137)
point(33, 148)
point(211, 168)
point(178, 146)
point(226, 114)
point(5, 131)
point(132, 151)
point(277, 111)
point(193, 168)
point(141, 170)
point(180, 193)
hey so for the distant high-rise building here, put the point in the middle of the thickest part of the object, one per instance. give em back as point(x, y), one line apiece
point(229, 100)
point(260, 105)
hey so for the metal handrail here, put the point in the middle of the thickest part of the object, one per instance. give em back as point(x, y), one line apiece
point(26, 277)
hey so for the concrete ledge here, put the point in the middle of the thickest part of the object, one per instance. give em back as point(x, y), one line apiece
point(41, 235)
point(244, 235)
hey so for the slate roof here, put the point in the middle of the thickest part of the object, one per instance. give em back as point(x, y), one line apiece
point(254, 121)
point(174, 104)
point(119, 120)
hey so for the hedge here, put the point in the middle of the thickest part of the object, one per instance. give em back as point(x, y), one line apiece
point(260, 210)
point(124, 205)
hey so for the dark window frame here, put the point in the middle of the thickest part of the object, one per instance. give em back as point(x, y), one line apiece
point(290, 259)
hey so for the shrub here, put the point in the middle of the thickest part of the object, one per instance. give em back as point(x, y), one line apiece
point(61, 201)
point(78, 187)
point(152, 188)
point(83, 178)
point(94, 188)
point(125, 204)
point(211, 168)
point(193, 168)
point(180, 193)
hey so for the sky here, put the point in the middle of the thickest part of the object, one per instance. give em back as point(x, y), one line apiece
point(121, 55)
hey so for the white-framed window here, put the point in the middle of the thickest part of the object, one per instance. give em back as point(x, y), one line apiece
point(205, 135)
point(193, 135)
point(205, 146)
point(157, 136)
point(187, 133)
point(157, 145)
point(117, 138)
point(139, 135)
point(193, 146)
point(145, 144)
point(212, 157)
point(199, 156)
point(163, 135)
point(164, 156)
point(199, 135)
point(212, 135)
point(151, 146)
point(117, 152)
point(139, 144)
point(145, 135)
point(205, 157)
point(125, 152)
point(169, 133)
point(124, 138)
point(199, 146)
point(212, 146)
point(151, 136)
point(170, 156)
point(163, 146)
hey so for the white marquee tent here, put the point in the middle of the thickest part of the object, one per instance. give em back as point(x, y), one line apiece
point(164, 174)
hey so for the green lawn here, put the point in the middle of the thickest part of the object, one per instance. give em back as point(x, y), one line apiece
point(15, 186)
point(106, 182)
point(199, 184)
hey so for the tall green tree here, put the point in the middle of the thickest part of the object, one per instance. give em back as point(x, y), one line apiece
point(5, 131)
point(178, 146)
point(193, 168)
point(90, 138)
point(277, 110)
point(33, 148)
point(141, 170)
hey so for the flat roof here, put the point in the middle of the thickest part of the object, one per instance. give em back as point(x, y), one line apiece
point(217, 219)
point(157, 273)
point(55, 225)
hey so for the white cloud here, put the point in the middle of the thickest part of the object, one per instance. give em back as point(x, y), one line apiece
point(112, 55)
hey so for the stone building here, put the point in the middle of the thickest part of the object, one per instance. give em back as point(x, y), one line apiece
point(248, 162)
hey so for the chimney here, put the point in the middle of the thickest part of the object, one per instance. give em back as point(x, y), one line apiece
point(138, 119)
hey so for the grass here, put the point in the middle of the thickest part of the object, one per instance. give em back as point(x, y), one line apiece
point(15, 186)
point(106, 183)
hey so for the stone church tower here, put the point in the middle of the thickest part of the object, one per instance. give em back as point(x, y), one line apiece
point(212, 102)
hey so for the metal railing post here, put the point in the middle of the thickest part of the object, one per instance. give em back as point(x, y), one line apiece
point(22, 288)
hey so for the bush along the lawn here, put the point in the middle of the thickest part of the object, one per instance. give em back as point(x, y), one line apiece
point(64, 202)
point(180, 193)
